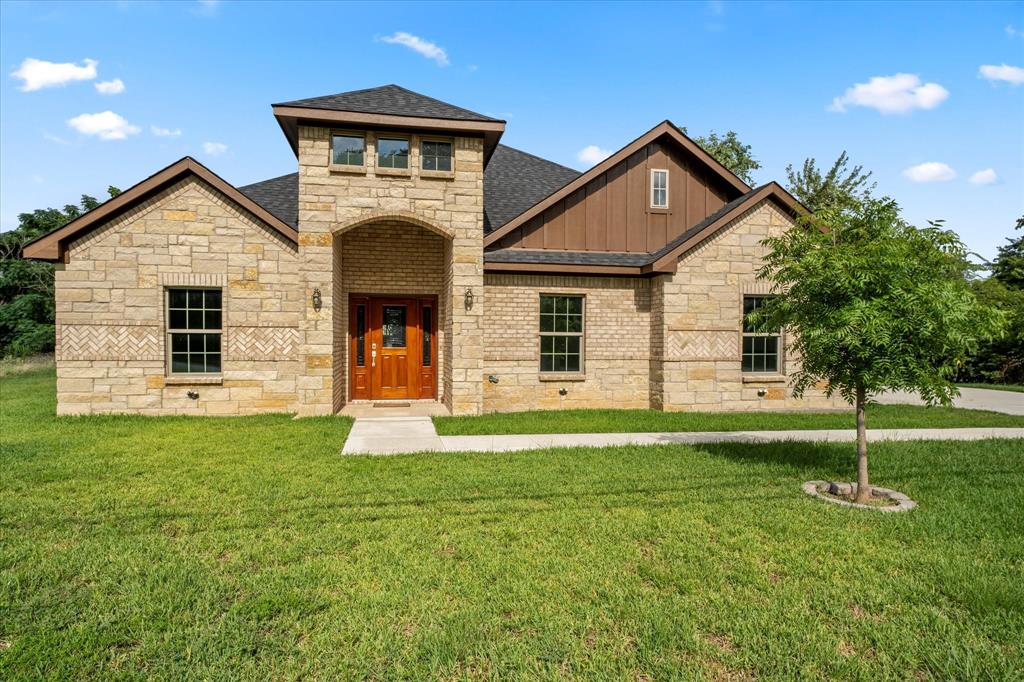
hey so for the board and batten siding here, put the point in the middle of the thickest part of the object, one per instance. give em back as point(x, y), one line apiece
point(612, 212)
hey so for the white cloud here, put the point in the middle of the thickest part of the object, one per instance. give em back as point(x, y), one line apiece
point(1014, 32)
point(592, 154)
point(114, 87)
point(164, 132)
point(892, 94)
point(207, 8)
point(1013, 75)
point(416, 44)
point(53, 138)
point(984, 177)
point(37, 74)
point(214, 148)
point(932, 171)
point(106, 125)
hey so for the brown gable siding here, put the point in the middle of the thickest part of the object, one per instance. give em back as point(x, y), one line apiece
point(612, 211)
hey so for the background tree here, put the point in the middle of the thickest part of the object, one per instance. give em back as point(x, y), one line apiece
point(839, 186)
point(1001, 361)
point(874, 304)
point(26, 287)
point(1008, 266)
point(729, 151)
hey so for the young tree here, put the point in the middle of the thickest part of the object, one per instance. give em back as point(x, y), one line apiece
point(874, 304)
point(729, 151)
point(838, 187)
point(1008, 266)
point(26, 287)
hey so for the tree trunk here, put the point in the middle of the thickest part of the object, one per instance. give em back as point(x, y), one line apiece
point(863, 487)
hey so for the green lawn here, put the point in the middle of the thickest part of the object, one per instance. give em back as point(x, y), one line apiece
point(135, 548)
point(1016, 388)
point(643, 421)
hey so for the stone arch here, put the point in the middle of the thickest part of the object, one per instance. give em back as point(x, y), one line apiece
point(401, 216)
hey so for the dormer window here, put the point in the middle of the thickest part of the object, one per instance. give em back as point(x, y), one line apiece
point(347, 149)
point(436, 155)
point(659, 188)
point(392, 152)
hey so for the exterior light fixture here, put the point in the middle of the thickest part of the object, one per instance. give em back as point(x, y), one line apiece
point(318, 300)
point(469, 299)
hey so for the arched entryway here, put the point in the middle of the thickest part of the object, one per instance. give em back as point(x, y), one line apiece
point(391, 322)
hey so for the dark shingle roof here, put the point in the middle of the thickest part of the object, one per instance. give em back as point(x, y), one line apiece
point(514, 181)
point(279, 195)
point(566, 257)
point(389, 99)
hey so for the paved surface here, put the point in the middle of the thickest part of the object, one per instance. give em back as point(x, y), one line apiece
point(385, 436)
point(1007, 402)
point(395, 408)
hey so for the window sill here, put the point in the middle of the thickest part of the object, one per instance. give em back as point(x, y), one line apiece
point(194, 380)
point(562, 376)
point(764, 378)
point(440, 175)
point(392, 171)
point(656, 209)
point(339, 168)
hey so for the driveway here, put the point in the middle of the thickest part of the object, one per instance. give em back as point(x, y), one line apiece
point(1007, 402)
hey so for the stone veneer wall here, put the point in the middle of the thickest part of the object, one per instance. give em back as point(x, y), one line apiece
point(616, 343)
point(111, 351)
point(385, 258)
point(696, 349)
point(331, 201)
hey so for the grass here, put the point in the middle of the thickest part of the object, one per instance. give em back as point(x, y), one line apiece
point(135, 548)
point(642, 421)
point(1016, 388)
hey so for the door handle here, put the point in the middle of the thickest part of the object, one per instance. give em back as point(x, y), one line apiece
point(373, 358)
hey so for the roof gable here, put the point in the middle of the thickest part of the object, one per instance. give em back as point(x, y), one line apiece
point(52, 246)
point(664, 129)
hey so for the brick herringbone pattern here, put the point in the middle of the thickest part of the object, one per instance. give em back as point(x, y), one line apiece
point(108, 342)
point(701, 345)
point(263, 343)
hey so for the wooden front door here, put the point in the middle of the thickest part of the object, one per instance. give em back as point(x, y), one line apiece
point(393, 353)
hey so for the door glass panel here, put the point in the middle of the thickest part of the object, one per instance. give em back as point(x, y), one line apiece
point(361, 336)
point(393, 326)
point(428, 326)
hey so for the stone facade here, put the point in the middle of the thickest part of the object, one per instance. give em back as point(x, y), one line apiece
point(696, 325)
point(333, 201)
point(111, 354)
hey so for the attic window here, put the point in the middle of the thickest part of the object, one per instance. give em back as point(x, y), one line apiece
point(659, 188)
point(436, 155)
point(347, 150)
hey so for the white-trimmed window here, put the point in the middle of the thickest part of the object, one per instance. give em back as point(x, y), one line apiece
point(194, 329)
point(561, 333)
point(659, 188)
point(762, 351)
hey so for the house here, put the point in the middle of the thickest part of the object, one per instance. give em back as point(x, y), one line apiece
point(415, 257)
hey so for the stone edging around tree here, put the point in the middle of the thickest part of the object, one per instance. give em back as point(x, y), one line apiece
point(903, 503)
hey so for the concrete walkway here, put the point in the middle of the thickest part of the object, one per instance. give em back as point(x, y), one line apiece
point(395, 435)
point(1007, 402)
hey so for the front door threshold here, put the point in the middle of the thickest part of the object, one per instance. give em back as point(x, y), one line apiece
point(389, 409)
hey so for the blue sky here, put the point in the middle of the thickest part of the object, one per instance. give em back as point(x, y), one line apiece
point(928, 96)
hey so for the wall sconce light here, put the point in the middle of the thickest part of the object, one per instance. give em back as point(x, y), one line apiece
point(469, 299)
point(318, 300)
point(493, 379)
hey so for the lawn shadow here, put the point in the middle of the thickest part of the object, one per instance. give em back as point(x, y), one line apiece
point(795, 456)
